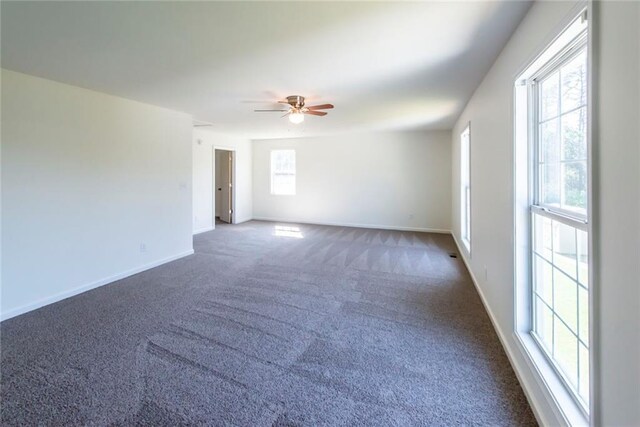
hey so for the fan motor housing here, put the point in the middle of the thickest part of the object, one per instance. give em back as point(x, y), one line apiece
point(296, 101)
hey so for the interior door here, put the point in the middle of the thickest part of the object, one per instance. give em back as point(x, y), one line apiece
point(226, 186)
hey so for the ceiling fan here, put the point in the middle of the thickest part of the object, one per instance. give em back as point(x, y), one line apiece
point(297, 109)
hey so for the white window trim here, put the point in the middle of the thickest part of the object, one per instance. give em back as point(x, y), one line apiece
point(558, 396)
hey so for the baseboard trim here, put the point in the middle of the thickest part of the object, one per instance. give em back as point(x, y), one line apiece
point(242, 220)
point(348, 224)
point(203, 230)
point(515, 365)
point(87, 287)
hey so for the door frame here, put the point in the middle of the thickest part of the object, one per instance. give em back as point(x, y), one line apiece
point(233, 181)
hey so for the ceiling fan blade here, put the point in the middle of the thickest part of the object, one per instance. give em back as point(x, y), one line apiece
point(285, 115)
point(268, 111)
point(320, 107)
point(315, 113)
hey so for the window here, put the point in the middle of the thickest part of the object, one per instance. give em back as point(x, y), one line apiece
point(465, 191)
point(283, 172)
point(561, 135)
point(558, 215)
point(553, 95)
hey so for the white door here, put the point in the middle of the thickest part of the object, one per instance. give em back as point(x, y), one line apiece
point(226, 184)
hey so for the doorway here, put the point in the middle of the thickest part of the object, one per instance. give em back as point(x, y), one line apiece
point(224, 185)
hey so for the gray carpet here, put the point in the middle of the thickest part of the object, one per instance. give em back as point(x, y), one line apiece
point(269, 326)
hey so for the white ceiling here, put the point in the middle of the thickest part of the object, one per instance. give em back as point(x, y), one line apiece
point(384, 65)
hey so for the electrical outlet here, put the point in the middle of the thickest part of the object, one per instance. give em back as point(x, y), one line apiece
point(143, 248)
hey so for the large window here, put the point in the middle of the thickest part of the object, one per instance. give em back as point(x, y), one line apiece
point(465, 190)
point(283, 172)
point(555, 100)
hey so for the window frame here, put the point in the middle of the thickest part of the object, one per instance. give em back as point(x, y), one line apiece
point(566, 405)
point(273, 172)
point(568, 217)
point(465, 187)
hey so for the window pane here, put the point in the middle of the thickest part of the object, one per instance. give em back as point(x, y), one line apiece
point(550, 184)
point(284, 184)
point(583, 389)
point(543, 280)
point(544, 324)
point(467, 214)
point(549, 142)
point(563, 139)
point(574, 135)
point(583, 258)
point(583, 312)
point(565, 299)
point(284, 161)
point(565, 350)
point(564, 248)
point(542, 236)
point(549, 93)
point(574, 82)
point(283, 172)
point(465, 191)
point(574, 177)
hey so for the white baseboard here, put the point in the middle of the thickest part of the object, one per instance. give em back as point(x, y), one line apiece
point(543, 419)
point(75, 291)
point(241, 220)
point(348, 224)
point(211, 228)
point(203, 230)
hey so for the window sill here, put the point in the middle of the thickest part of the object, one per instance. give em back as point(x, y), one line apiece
point(557, 393)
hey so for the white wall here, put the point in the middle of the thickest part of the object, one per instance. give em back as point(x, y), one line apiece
point(204, 142)
point(616, 213)
point(490, 112)
point(396, 180)
point(617, 222)
point(86, 179)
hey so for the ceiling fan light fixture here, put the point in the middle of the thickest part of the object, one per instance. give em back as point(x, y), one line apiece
point(296, 117)
point(297, 109)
